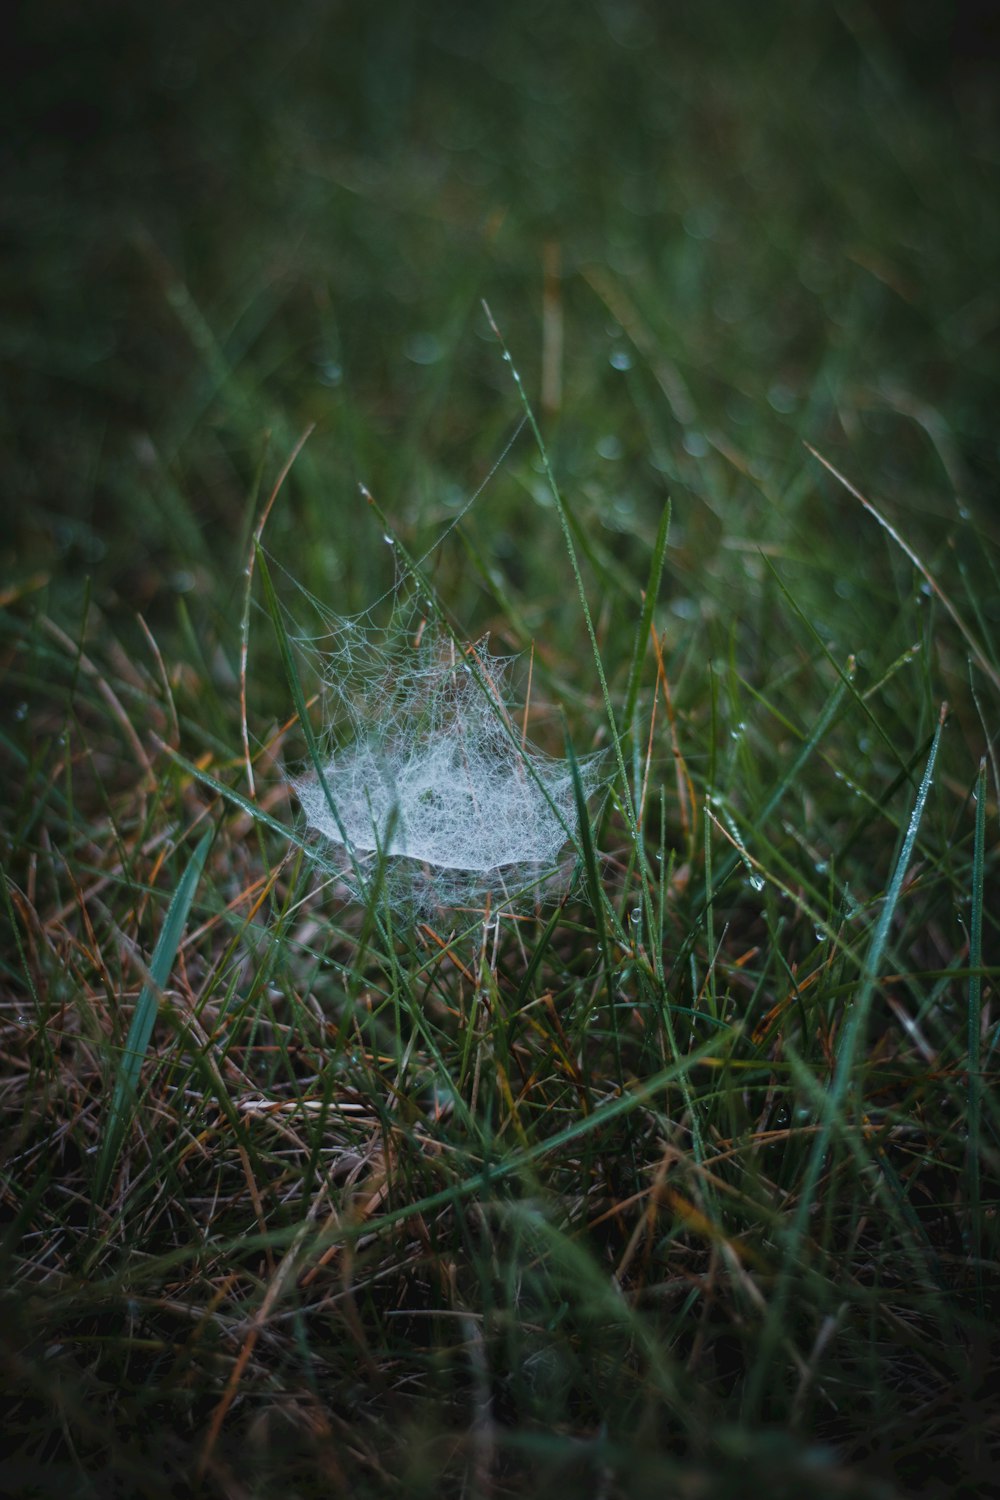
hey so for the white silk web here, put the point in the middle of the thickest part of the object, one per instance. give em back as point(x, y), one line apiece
point(427, 784)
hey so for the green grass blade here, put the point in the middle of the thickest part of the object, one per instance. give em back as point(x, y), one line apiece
point(253, 810)
point(715, 880)
point(646, 619)
point(567, 531)
point(851, 1037)
point(590, 866)
point(123, 1100)
point(298, 696)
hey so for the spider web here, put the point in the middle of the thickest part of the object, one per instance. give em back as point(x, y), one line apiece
point(427, 786)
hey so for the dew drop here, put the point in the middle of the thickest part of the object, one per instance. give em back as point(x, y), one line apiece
point(758, 882)
point(695, 444)
point(620, 360)
point(389, 541)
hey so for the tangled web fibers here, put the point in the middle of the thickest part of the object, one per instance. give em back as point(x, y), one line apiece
point(427, 784)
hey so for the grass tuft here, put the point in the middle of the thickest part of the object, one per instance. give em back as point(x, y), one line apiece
point(681, 1176)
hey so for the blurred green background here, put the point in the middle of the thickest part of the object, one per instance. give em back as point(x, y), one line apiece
point(222, 222)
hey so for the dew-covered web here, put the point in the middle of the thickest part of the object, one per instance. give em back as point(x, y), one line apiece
point(427, 784)
point(427, 781)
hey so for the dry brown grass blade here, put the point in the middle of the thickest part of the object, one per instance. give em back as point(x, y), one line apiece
point(175, 732)
point(376, 1185)
point(621, 307)
point(17, 591)
point(105, 689)
point(272, 1296)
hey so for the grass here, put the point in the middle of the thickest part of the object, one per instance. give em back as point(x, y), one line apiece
point(687, 1183)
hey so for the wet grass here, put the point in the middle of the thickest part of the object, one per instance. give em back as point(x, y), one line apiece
point(687, 1182)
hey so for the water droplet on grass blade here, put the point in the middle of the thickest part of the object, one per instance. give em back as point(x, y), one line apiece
point(695, 444)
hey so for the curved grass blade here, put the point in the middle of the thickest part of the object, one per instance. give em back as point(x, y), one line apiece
point(123, 1101)
point(298, 696)
point(590, 864)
